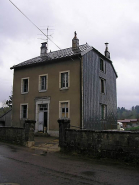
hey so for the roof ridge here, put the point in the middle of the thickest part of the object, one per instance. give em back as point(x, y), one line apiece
point(62, 53)
point(69, 48)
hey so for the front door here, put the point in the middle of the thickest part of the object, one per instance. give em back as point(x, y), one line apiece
point(45, 122)
point(41, 121)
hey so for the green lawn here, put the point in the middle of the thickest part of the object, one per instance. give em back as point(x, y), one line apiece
point(132, 129)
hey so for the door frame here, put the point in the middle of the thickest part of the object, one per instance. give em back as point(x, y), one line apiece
point(38, 102)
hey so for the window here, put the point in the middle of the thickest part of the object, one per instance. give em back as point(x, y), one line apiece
point(24, 111)
point(102, 85)
point(64, 109)
point(43, 82)
point(24, 85)
point(102, 65)
point(43, 107)
point(64, 80)
point(103, 110)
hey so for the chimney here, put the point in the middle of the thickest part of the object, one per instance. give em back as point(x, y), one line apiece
point(43, 49)
point(75, 42)
point(107, 53)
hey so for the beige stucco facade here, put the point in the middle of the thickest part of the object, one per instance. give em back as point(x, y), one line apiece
point(53, 95)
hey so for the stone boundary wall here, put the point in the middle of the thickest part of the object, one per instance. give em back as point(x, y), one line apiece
point(21, 136)
point(110, 144)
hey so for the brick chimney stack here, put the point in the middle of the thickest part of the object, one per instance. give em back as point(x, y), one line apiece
point(75, 42)
point(43, 49)
point(107, 53)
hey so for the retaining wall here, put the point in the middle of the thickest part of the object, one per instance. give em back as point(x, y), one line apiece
point(111, 144)
point(22, 136)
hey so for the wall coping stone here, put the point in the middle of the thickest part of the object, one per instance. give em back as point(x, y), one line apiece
point(104, 131)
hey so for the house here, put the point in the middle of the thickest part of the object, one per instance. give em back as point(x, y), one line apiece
point(127, 123)
point(77, 83)
point(5, 119)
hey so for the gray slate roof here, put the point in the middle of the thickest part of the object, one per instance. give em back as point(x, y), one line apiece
point(53, 56)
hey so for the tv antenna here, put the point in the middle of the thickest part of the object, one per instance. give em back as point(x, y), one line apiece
point(48, 35)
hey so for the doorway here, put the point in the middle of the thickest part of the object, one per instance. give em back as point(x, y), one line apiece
point(43, 118)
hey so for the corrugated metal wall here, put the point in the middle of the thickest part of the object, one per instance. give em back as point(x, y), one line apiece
point(92, 97)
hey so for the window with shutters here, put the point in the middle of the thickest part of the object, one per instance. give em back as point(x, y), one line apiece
point(64, 108)
point(43, 82)
point(64, 79)
point(25, 85)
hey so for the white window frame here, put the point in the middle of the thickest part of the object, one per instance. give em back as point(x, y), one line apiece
point(21, 110)
point(43, 90)
point(60, 110)
point(22, 84)
point(103, 117)
point(60, 73)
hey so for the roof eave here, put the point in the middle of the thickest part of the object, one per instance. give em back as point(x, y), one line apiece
point(53, 60)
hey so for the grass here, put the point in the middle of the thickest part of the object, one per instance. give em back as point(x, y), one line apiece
point(132, 129)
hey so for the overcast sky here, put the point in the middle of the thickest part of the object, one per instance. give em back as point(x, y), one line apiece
point(96, 22)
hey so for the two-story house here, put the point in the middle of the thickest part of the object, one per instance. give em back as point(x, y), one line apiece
point(77, 83)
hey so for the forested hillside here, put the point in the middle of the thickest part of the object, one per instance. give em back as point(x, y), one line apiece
point(128, 114)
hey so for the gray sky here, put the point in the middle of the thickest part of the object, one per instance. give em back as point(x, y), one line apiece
point(96, 22)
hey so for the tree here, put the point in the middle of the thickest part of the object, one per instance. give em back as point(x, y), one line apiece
point(9, 102)
point(123, 113)
point(4, 108)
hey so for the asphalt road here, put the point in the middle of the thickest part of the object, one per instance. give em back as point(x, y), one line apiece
point(25, 166)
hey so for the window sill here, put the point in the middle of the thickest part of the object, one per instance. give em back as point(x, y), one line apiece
point(103, 93)
point(102, 71)
point(64, 88)
point(42, 91)
point(24, 92)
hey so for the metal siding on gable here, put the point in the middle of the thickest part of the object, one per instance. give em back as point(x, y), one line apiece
point(92, 98)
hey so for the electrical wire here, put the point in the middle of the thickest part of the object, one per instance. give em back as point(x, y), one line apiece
point(37, 26)
point(34, 24)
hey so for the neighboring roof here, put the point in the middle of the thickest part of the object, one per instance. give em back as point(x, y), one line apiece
point(124, 121)
point(6, 113)
point(128, 120)
point(59, 54)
